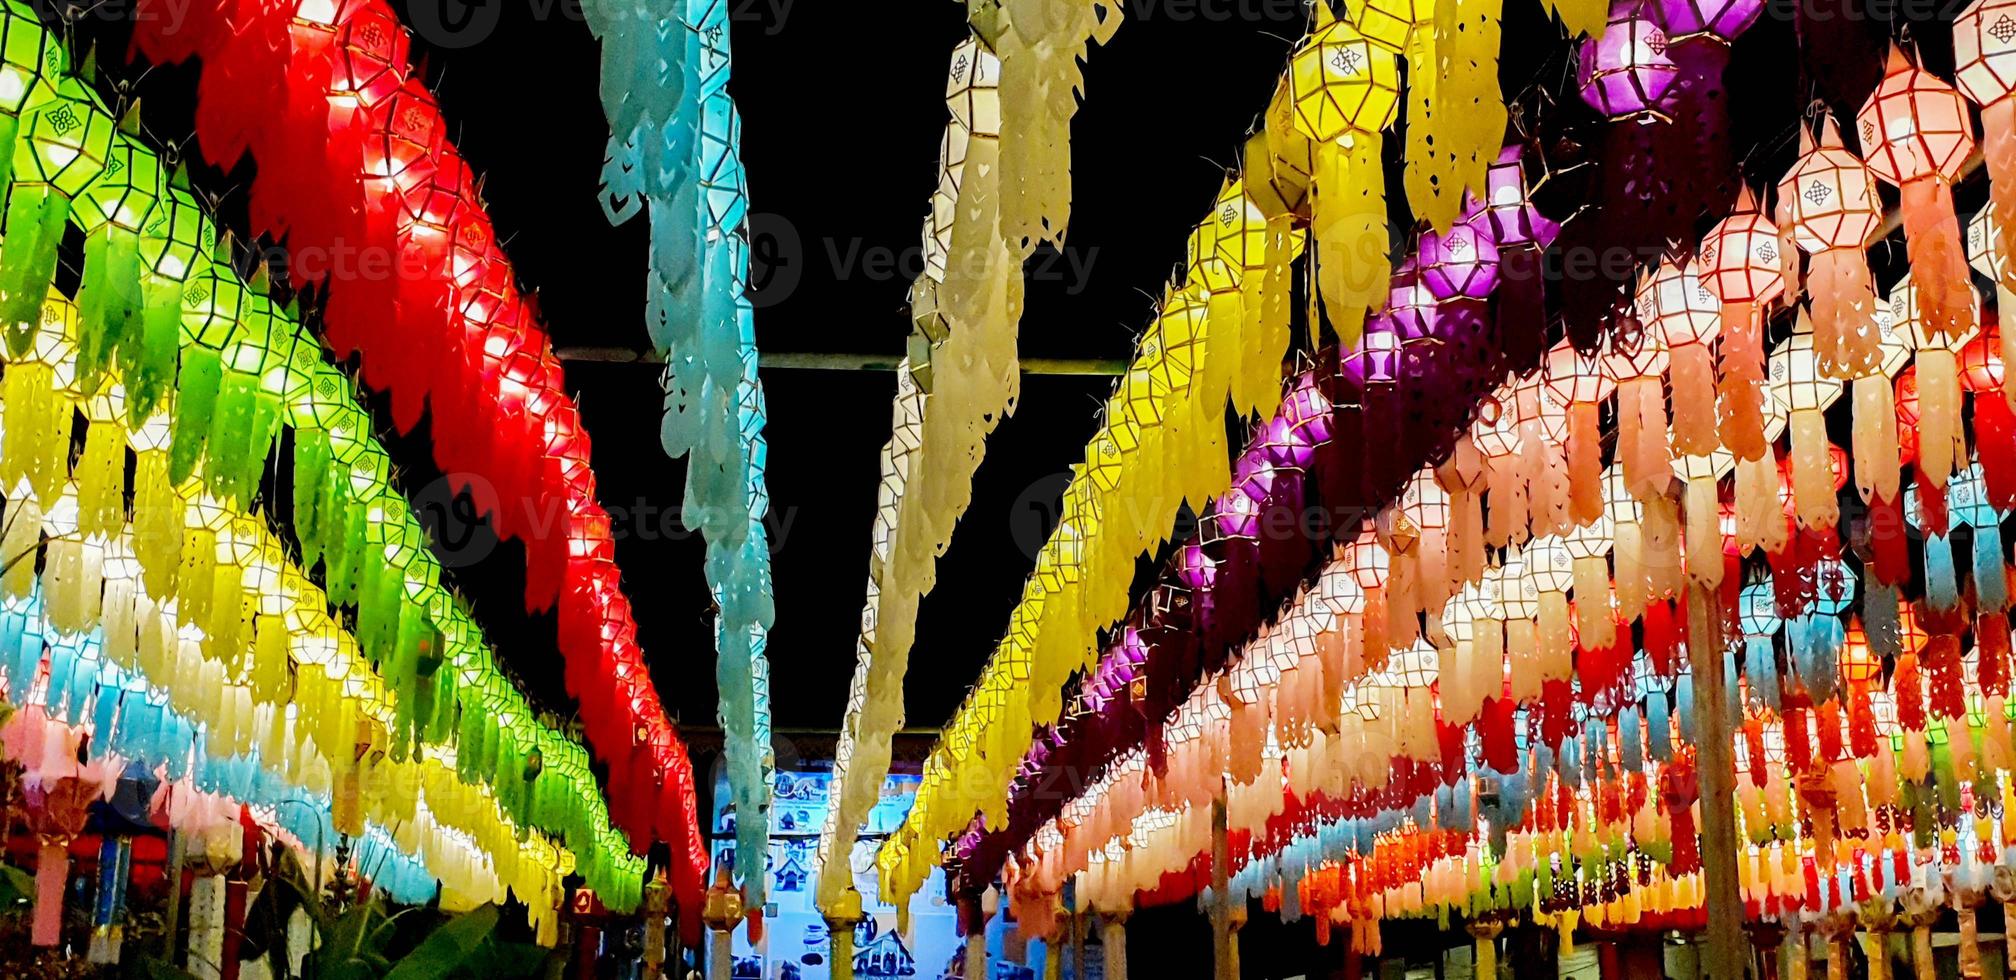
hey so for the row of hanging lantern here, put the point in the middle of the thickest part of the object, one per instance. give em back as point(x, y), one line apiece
point(675, 148)
point(355, 160)
point(249, 369)
point(1316, 159)
point(1337, 98)
point(112, 719)
point(196, 592)
point(1746, 260)
point(1003, 188)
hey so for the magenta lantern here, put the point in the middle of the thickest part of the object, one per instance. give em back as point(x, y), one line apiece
point(1461, 264)
point(1624, 72)
point(1410, 305)
point(1195, 569)
point(1509, 208)
point(1723, 19)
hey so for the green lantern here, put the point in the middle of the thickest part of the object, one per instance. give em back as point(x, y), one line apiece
point(111, 209)
point(29, 59)
point(63, 146)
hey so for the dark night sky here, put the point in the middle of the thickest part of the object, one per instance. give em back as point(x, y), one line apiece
point(842, 109)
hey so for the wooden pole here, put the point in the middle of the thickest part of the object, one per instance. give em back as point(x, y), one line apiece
point(1714, 730)
point(1224, 958)
point(1116, 946)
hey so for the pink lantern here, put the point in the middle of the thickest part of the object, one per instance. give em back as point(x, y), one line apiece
point(1410, 303)
point(1984, 49)
point(1834, 209)
point(1742, 265)
point(1577, 382)
point(1916, 134)
point(1625, 71)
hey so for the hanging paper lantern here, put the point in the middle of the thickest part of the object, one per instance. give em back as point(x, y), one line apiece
point(1984, 50)
point(1514, 220)
point(1803, 392)
point(1676, 305)
point(1634, 360)
point(1985, 242)
point(1577, 383)
point(1462, 263)
point(1722, 19)
point(1741, 265)
point(1626, 70)
point(1941, 442)
point(1340, 82)
point(1834, 211)
point(1916, 134)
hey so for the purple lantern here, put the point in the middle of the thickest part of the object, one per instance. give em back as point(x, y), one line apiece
point(1377, 359)
point(1195, 569)
point(1307, 410)
point(1410, 304)
point(1284, 445)
point(1626, 70)
point(1723, 19)
point(1462, 263)
point(1513, 218)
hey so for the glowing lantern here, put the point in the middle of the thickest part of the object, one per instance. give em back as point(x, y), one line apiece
point(1578, 383)
point(1550, 573)
point(1677, 307)
point(1941, 440)
point(1508, 206)
point(1463, 263)
point(1916, 134)
point(1832, 199)
point(1519, 602)
point(1625, 70)
point(1803, 392)
point(1984, 50)
point(1723, 19)
point(63, 145)
point(1589, 547)
point(1740, 265)
point(1391, 24)
point(1340, 82)
point(1985, 241)
point(1634, 359)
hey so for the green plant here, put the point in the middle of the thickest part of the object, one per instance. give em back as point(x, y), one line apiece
point(369, 942)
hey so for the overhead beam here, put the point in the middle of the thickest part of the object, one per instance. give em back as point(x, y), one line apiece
point(840, 361)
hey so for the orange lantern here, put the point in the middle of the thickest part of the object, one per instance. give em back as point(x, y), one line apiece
point(1741, 265)
point(1916, 134)
point(1984, 50)
point(1577, 384)
point(1678, 306)
point(1832, 199)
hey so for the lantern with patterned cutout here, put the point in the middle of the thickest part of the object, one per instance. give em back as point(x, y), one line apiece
point(1916, 134)
point(1832, 199)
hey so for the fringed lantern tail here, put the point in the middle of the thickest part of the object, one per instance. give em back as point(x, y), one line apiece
point(1844, 307)
point(1740, 402)
point(1938, 260)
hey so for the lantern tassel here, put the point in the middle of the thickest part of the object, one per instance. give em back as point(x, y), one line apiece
point(1740, 407)
point(1875, 438)
point(1844, 309)
point(1942, 589)
point(1938, 260)
point(1991, 584)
